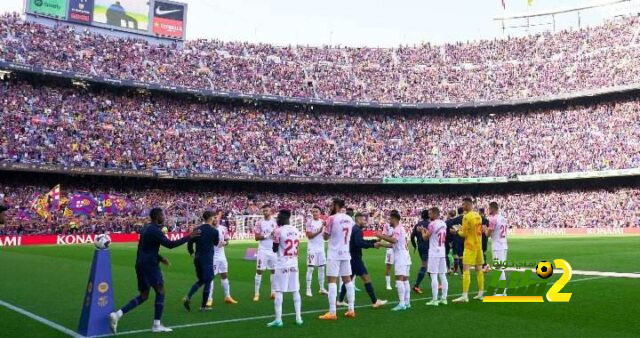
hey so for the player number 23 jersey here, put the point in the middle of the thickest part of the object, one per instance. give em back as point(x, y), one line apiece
point(288, 239)
point(339, 227)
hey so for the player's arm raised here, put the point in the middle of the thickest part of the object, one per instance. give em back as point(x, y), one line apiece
point(426, 233)
point(257, 234)
point(387, 238)
point(327, 229)
point(165, 242)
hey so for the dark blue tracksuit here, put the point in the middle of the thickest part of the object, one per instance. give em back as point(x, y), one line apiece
point(456, 241)
point(203, 259)
point(422, 244)
point(356, 244)
point(147, 266)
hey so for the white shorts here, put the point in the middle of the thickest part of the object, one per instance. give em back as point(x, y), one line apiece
point(389, 257)
point(501, 255)
point(401, 270)
point(436, 265)
point(286, 280)
point(316, 258)
point(338, 268)
point(220, 266)
point(266, 260)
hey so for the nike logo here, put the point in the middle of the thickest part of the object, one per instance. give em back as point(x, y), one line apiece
point(160, 11)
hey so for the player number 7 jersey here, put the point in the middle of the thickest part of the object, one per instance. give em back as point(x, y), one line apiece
point(339, 227)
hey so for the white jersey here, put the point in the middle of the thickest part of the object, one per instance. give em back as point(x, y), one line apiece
point(223, 235)
point(265, 228)
point(499, 236)
point(339, 227)
point(316, 244)
point(388, 230)
point(438, 230)
point(288, 239)
point(400, 247)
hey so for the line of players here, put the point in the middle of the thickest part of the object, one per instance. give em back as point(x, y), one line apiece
point(278, 252)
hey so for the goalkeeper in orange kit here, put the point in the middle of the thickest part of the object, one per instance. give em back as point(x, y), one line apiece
point(471, 231)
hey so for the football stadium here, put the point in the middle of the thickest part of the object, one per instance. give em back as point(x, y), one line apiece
point(289, 169)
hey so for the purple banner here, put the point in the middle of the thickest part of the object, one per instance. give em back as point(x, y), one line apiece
point(82, 203)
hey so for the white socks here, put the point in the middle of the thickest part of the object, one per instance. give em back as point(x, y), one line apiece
point(333, 293)
point(310, 276)
point(258, 280)
point(388, 280)
point(434, 286)
point(401, 294)
point(321, 277)
point(211, 292)
point(277, 304)
point(225, 287)
point(271, 276)
point(156, 322)
point(407, 293)
point(351, 294)
point(297, 304)
point(445, 285)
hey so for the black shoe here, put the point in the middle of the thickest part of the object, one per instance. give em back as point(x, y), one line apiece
point(206, 308)
point(187, 303)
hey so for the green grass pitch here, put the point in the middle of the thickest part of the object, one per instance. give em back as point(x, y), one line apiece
point(49, 281)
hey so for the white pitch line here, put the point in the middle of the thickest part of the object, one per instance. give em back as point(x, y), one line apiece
point(235, 320)
point(42, 320)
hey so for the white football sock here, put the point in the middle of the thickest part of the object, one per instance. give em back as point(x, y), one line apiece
point(321, 277)
point(277, 304)
point(388, 280)
point(271, 276)
point(333, 293)
point(503, 277)
point(434, 286)
point(225, 287)
point(257, 283)
point(407, 293)
point(309, 277)
point(211, 292)
point(351, 294)
point(400, 288)
point(156, 322)
point(445, 285)
point(297, 305)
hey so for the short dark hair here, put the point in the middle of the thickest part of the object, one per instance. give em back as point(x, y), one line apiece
point(317, 207)
point(451, 213)
point(494, 205)
point(339, 202)
point(481, 210)
point(208, 214)
point(154, 213)
point(359, 214)
point(266, 205)
point(467, 199)
point(424, 214)
point(285, 213)
point(395, 214)
point(460, 211)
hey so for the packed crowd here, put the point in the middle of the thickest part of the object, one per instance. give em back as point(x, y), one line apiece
point(513, 68)
point(618, 207)
point(81, 128)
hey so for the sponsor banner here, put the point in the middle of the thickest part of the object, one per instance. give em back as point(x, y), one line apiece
point(80, 11)
point(126, 14)
point(53, 8)
point(449, 180)
point(73, 239)
point(577, 175)
point(168, 19)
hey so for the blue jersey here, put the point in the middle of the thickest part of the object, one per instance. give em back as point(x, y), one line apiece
point(205, 243)
point(416, 238)
point(357, 242)
point(151, 238)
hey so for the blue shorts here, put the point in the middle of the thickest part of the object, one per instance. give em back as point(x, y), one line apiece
point(148, 277)
point(424, 256)
point(204, 269)
point(358, 268)
point(458, 246)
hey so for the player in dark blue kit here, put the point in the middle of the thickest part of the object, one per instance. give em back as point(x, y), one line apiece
point(148, 269)
point(423, 248)
point(356, 244)
point(203, 260)
point(457, 242)
point(485, 238)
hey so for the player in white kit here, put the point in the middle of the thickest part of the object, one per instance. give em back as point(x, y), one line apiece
point(263, 233)
point(286, 240)
point(497, 230)
point(402, 260)
point(220, 264)
point(388, 257)
point(436, 233)
point(338, 233)
point(315, 250)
